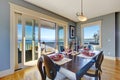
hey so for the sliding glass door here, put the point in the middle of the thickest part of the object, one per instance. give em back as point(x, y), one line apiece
point(19, 50)
point(29, 39)
point(47, 36)
point(36, 37)
point(60, 38)
point(31, 33)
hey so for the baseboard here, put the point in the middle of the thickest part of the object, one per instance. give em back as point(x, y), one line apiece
point(6, 72)
point(109, 57)
point(118, 58)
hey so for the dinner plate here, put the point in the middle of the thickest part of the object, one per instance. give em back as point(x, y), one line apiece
point(57, 57)
point(87, 53)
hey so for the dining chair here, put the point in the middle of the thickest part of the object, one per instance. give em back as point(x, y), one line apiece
point(70, 48)
point(41, 68)
point(61, 48)
point(49, 67)
point(96, 70)
point(49, 71)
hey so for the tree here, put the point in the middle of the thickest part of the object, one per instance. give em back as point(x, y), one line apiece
point(96, 37)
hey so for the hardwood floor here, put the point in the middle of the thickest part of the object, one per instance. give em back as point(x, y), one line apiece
point(110, 68)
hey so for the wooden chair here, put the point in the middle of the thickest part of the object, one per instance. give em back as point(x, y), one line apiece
point(62, 48)
point(49, 71)
point(41, 68)
point(96, 71)
point(49, 67)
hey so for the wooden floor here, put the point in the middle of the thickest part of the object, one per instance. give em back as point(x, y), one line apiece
point(111, 71)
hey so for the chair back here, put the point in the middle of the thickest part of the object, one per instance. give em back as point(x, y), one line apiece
point(41, 68)
point(62, 48)
point(71, 45)
point(51, 71)
point(99, 61)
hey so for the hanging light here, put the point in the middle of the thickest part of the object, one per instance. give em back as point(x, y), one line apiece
point(81, 16)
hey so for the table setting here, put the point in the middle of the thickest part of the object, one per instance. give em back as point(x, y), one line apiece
point(76, 62)
point(59, 58)
point(86, 53)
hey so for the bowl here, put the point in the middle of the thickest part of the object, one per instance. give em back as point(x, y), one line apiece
point(57, 57)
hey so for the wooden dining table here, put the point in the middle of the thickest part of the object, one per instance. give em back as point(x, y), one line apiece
point(78, 66)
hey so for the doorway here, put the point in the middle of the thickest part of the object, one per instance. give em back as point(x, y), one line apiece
point(31, 34)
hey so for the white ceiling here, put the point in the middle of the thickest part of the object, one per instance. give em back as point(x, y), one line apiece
point(69, 8)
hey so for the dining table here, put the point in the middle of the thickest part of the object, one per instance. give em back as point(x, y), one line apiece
point(74, 66)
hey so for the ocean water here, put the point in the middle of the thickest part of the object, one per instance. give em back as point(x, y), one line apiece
point(28, 44)
point(91, 41)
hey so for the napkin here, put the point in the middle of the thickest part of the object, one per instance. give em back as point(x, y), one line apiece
point(84, 56)
point(63, 61)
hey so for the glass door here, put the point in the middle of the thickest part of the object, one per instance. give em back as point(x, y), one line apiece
point(19, 50)
point(47, 37)
point(60, 38)
point(31, 39)
point(36, 38)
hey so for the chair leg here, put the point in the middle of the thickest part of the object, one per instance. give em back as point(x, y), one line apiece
point(100, 69)
point(99, 76)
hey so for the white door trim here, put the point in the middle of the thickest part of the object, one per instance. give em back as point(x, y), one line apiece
point(15, 8)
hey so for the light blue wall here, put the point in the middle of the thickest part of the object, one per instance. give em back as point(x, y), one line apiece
point(4, 35)
point(5, 28)
point(107, 33)
point(118, 34)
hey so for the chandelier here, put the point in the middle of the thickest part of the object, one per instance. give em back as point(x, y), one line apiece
point(81, 16)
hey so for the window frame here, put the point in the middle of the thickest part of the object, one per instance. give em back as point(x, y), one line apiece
point(99, 23)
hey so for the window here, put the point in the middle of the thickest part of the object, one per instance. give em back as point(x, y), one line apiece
point(91, 33)
point(47, 36)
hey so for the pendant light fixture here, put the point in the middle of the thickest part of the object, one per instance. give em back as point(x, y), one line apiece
point(81, 16)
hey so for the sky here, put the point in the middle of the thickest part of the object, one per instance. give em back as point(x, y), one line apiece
point(49, 34)
point(90, 31)
point(46, 34)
